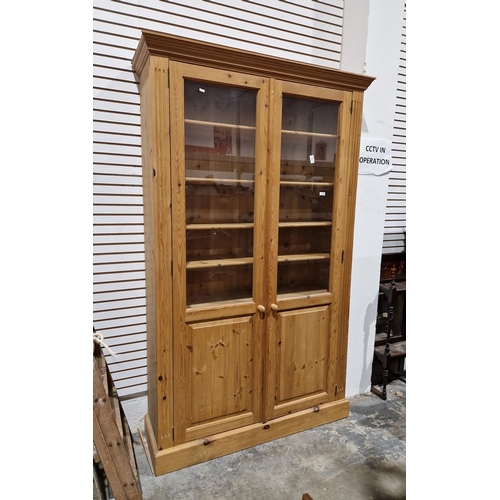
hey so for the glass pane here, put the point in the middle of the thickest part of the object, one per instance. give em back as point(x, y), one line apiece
point(219, 103)
point(213, 203)
point(219, 283)
point(305, 203)
point(220, 172)
point(304, 171)
point(304, 276)
point(304, 240)
point(307, 168)
point(219, 131)
point(219, 244)
point(309, 127)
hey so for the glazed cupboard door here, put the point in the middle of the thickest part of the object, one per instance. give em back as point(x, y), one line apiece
point(218, 160)
point(306, 125)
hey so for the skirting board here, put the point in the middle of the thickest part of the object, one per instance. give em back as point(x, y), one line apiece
point(218, 445)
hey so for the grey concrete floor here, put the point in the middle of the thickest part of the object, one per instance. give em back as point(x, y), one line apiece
point(361, 457)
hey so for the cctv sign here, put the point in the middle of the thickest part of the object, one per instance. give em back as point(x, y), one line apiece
point(374, 156)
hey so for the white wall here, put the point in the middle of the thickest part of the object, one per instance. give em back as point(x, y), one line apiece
point(370, 45)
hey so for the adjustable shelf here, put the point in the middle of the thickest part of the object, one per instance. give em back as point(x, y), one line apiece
point(218, 124)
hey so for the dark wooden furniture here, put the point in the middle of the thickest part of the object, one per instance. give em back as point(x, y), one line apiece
point(390, 340)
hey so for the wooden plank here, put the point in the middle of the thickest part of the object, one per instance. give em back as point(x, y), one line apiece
point(224, 424)
point(157, 237)
point(218, 445)
point(302, 257)
point(146, 451)
point(306, 224)
point(192, 406)
point(206, 227)
point(218, 310)
point(118, 472)
point(221, 368)
point(260, 244)
point(218, 56)
point(110, 445)
point(344, 210)
point(271, 234)
point(303, 340)
point(295, 300)
point(101, 366)
point(314, 92)
point(307, 134)
point(115, 405)
point(216, 180)
point(301, 403)
point(226, 125)
point(201, 264)
point(182, 409)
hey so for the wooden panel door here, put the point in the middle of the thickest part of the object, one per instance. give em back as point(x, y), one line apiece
point(304, 259)
point(219, 135)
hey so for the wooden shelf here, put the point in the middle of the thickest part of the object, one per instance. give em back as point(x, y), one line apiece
point(213, 180)
point(243, 261)
point(303, 257)
point(217, 124)
point(250, 225)
point(229, 225)
point(306, 183)
point(308, 134)
point(305, 224)
point(207, 263)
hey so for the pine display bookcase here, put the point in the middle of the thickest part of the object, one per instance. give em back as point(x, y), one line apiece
point(249, 183)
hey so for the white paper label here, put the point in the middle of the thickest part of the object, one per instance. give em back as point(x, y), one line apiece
point(374, 156)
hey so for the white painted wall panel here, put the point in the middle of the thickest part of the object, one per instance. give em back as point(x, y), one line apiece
point(395, 224)
point(309, 31)
point(118, 170)
point(119, 190)
point(115, 105)
point(100, 239)
point(116, 296)
point(117, 200)
point(303, 30)
point(371, 44)
point(116, 118)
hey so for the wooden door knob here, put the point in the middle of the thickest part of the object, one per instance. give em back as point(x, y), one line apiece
point(261, 309)
point(274, 307)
